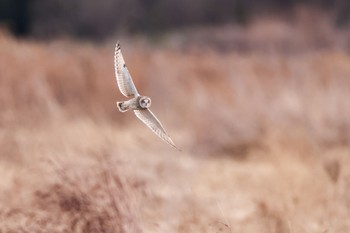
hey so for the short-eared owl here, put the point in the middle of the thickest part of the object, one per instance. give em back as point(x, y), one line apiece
point(138, 103)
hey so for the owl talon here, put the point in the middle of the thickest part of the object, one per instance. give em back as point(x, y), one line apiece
point(121, 107)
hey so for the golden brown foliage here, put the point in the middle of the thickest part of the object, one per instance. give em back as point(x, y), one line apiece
point(265, 139)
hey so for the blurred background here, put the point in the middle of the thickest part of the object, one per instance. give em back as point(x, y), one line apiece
point(100, 20)
point(254, 93)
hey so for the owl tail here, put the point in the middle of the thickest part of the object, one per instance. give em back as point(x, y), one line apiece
point(122, 106)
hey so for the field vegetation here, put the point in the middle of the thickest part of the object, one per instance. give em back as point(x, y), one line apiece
point(261, 115)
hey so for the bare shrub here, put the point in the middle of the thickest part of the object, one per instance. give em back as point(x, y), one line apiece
point(84, 199)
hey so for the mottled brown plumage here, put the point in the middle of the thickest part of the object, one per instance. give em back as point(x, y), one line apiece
point(139, 104)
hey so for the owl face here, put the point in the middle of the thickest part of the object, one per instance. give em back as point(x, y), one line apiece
point(145, 102)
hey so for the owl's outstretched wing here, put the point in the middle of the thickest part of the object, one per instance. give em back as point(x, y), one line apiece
point(124, 80)
point(147, 117)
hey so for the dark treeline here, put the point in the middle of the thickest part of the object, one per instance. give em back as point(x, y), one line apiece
point(98, 19)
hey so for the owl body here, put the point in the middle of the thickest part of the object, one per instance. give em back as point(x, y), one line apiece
point(137, 103)
point(124, 106)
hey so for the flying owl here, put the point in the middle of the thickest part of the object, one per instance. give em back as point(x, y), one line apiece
point(138, 103)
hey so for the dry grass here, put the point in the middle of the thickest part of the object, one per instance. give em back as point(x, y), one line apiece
point(265, 137)
point(84, 199)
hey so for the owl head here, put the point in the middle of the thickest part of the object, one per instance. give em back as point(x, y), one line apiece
point(145, 102)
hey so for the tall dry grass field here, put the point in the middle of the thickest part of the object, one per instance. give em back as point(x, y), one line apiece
point(265, 138)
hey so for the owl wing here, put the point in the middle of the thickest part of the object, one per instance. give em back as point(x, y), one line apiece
point(124, 80)
point(147, 117)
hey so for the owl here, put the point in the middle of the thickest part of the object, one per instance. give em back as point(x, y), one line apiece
point(138, 103)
